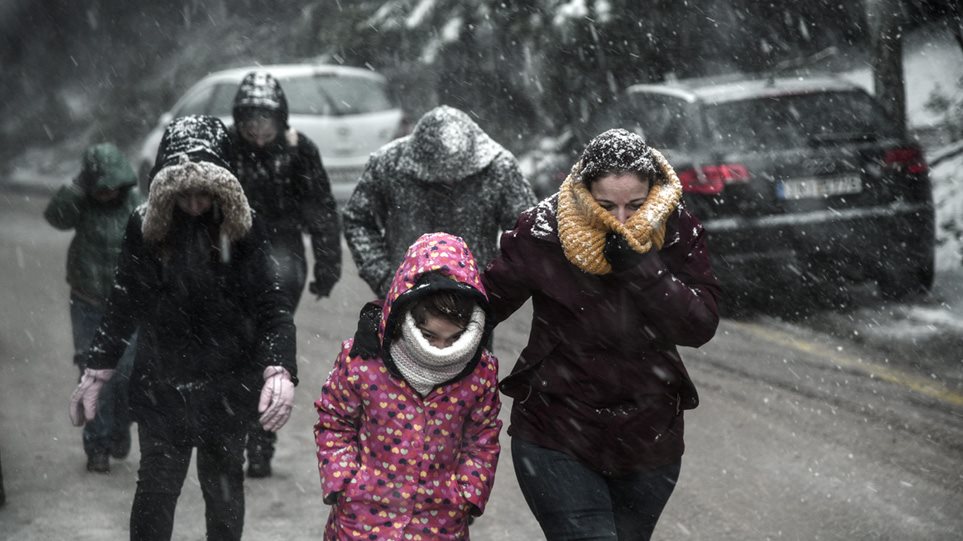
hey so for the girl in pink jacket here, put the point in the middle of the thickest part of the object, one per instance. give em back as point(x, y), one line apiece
point(407, 429)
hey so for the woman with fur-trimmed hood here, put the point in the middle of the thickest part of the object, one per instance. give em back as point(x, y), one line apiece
point(214, 328)
point(619, 275)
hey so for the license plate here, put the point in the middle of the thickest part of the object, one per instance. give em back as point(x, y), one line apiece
point(815, 188)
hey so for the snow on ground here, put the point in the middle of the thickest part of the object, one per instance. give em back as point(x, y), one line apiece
point(946, 174)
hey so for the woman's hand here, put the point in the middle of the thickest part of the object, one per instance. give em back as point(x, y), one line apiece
point(619, 254)
point(83, 401)
point(622, 257)
point(277, 398)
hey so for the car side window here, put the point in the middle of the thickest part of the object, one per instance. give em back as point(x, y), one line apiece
point(612, 115)
point(196, 103)
point(307, 97)
point(663, 120)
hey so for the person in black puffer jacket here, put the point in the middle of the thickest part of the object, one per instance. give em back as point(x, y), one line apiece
point(282, 175)
point(196, 279)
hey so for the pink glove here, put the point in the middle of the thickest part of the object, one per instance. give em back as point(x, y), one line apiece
point(83, 402)
point(277, 398)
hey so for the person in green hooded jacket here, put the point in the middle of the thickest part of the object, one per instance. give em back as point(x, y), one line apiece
point(96, 205)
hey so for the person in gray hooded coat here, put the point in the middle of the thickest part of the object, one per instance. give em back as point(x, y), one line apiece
point(448, 175)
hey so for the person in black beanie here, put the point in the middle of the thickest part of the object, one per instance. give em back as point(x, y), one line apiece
point(285, 182)
point(196, 279)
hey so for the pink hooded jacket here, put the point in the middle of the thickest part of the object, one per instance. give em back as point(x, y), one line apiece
point(409, 467)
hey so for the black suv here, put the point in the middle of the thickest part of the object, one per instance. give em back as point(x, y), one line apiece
point(801, 178)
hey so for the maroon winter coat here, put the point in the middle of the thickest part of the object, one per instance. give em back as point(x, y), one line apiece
point(601, 378)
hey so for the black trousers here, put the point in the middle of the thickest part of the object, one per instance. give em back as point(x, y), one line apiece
point(573, 502)
point(163, 467)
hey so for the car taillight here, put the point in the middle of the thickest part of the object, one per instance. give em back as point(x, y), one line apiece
point(711, 179)
point(907, 159)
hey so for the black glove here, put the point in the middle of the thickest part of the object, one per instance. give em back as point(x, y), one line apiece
point(622, 257)
point(366, 342)
point(321, 288)
point(619, 254)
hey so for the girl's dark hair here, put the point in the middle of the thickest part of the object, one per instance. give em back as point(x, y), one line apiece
point(616, 152)
point(451, 305)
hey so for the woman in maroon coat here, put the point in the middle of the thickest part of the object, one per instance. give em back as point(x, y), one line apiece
point(619, 275)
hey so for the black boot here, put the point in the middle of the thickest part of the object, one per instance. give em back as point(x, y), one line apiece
point(98, 462)
point(260, 450)
point(120, 444)
point(258, 467)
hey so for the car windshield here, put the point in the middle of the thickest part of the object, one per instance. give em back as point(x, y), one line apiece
point(796, 120)
point(335, 95)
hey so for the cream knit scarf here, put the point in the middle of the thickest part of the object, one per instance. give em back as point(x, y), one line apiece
point(425, 366)
point(583, 223)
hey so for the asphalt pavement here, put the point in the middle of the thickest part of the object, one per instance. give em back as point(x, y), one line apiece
point(801, 434)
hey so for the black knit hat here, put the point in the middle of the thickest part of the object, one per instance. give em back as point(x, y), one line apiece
point(617, 151)
point(260, 91)
point(196, 138)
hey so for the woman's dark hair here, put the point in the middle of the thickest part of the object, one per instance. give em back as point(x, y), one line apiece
point(451, 305)
point(615, 152)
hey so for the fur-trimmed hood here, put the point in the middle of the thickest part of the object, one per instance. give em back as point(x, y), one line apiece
point(194, 155)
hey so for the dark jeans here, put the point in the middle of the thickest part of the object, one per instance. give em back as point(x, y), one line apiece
point(572, 501)
point(293, 271)
point(110, 429)
point(163, 467)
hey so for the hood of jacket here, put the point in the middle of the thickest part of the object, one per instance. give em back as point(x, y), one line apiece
point(435, 262)
point(194, 155)
point(260, 90)
point(105, 167)
point(446, 146)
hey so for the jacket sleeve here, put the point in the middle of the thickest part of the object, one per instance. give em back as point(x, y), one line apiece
point(506, 277)
point(336, 432)
point(517, 194)
point(126, 300)
point(364, 230)
point(681, 303)
point(480, 447)
point(65, 207)
point(271, 307)
point(319, 214)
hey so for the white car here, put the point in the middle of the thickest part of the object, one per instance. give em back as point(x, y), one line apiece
point(346, 111)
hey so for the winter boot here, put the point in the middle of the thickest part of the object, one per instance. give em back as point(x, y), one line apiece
point(260, 450)
point(258, 466)
point(98, 462)
point(120, 444)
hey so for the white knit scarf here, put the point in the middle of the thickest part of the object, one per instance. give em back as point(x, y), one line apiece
point(423, 365)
